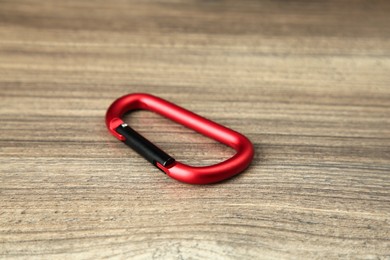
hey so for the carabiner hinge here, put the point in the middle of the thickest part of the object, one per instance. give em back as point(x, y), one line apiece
point(144, 147)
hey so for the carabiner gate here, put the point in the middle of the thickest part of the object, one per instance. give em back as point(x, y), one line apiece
point(165, 162)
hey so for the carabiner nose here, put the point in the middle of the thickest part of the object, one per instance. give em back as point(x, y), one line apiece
point(173, 168)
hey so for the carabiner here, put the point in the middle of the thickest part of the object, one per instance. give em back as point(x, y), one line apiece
point(173, 168)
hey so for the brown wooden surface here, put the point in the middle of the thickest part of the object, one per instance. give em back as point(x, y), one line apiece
point(307, 81)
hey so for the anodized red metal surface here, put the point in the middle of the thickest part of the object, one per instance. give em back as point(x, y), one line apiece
point(179, 171)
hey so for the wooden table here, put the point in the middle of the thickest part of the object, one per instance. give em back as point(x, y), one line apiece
point(307, 81)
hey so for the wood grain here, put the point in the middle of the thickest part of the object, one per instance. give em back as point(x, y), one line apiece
point(307, 81)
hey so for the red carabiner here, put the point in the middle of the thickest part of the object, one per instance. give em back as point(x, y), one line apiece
point(175, 169)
